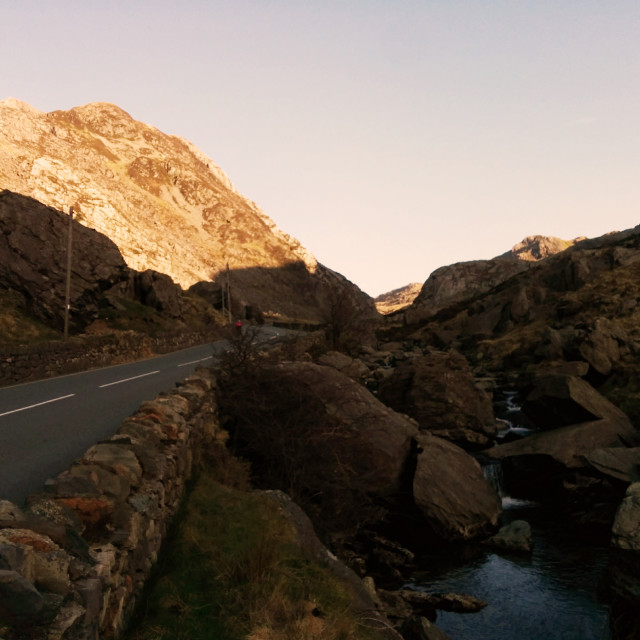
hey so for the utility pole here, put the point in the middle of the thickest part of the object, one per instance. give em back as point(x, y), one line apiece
point(67, 296)
point(228, 294)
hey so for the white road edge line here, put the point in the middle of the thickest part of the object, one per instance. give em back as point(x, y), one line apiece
point(184, 364)
point(39, 404)
point(142, 375)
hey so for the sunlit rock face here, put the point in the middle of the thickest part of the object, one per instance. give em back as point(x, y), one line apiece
point(398, 298)
point(166, 205)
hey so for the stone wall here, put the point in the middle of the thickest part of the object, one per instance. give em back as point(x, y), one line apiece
point(45, 360)
point(74, 560)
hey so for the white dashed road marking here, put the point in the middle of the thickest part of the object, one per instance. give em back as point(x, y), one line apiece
point(142, 375)
point(39, 404)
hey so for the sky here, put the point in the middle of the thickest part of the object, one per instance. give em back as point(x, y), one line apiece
point(390, 137)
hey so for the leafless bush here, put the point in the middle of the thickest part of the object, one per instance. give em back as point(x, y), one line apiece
point(296, 446)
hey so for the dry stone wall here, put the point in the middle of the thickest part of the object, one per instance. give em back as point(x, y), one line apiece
point(74, 560)
point(44, 360)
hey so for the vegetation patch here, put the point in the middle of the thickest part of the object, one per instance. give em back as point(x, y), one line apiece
point(16, 326)
point(233, 570)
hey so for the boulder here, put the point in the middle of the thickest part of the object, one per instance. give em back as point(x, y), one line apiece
point(159, 291)
point(601, 348)
point(321, 436)
point(559, 400)
point(438, 390)
point(625, 533)
point(618, 462)
point(566, 447)
point(452, 493)
point(580, 421)
point(420, 628)
point(352, 367)
point(380, 438)
point(515, 536)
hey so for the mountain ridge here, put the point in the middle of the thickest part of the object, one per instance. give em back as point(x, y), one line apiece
point(166, 205)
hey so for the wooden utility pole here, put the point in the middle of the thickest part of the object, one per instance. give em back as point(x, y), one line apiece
point(67, 296)
point(228, 294)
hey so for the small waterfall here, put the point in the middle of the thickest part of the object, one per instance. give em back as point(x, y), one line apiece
point(508, 414)
point(492, 471)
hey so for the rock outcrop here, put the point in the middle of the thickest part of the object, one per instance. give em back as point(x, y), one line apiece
point(438, 391)
point(166, 206)
point(33, 260)
point(398, 298)
point(33, 263)
point(317, 432)
point(456, 283)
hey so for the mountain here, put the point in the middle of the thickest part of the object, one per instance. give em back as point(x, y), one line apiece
point(580, 305)
point(398, 298)
point(165, 205)
point(457, 282)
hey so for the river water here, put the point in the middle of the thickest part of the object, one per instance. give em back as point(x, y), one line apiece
point(550, 594)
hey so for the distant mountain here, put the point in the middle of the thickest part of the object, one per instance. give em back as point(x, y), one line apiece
point(165, 205)
point(580, 304)
point(463, 280)
point(398, 298)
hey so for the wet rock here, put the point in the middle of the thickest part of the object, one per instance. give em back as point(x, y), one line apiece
point(452, 493)
point(422, 602)
point(626, 528)
point(419, 628)
point(515, 536)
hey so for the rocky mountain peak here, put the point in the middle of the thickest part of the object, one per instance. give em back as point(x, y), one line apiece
point(537, 247)
point(165, 204)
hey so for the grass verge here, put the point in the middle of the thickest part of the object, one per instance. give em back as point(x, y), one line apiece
point(234, 571)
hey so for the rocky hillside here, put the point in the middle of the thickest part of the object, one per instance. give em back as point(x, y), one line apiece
point(462, 280)
point(33, 270)
point(165, 205)
point(577, 306)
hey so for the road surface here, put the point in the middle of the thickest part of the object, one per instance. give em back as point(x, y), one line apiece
point(46, 425)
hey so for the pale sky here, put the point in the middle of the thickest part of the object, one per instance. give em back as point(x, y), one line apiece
point(391, 137)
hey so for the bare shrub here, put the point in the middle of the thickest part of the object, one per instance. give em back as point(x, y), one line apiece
point(295, 445)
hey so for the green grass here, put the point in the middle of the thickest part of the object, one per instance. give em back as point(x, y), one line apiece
point(233, 570)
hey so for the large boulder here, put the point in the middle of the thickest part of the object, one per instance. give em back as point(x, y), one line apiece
point(560, 400)
point(311, 430)
point(620, 463)
point(565, 460)
point(439, 392)
point(452, 493)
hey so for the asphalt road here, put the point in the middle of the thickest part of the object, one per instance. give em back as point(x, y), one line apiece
point(46, 425)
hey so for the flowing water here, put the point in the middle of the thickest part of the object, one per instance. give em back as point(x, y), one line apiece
point(550, 594)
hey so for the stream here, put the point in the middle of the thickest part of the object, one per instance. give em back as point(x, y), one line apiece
point(550, 594)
